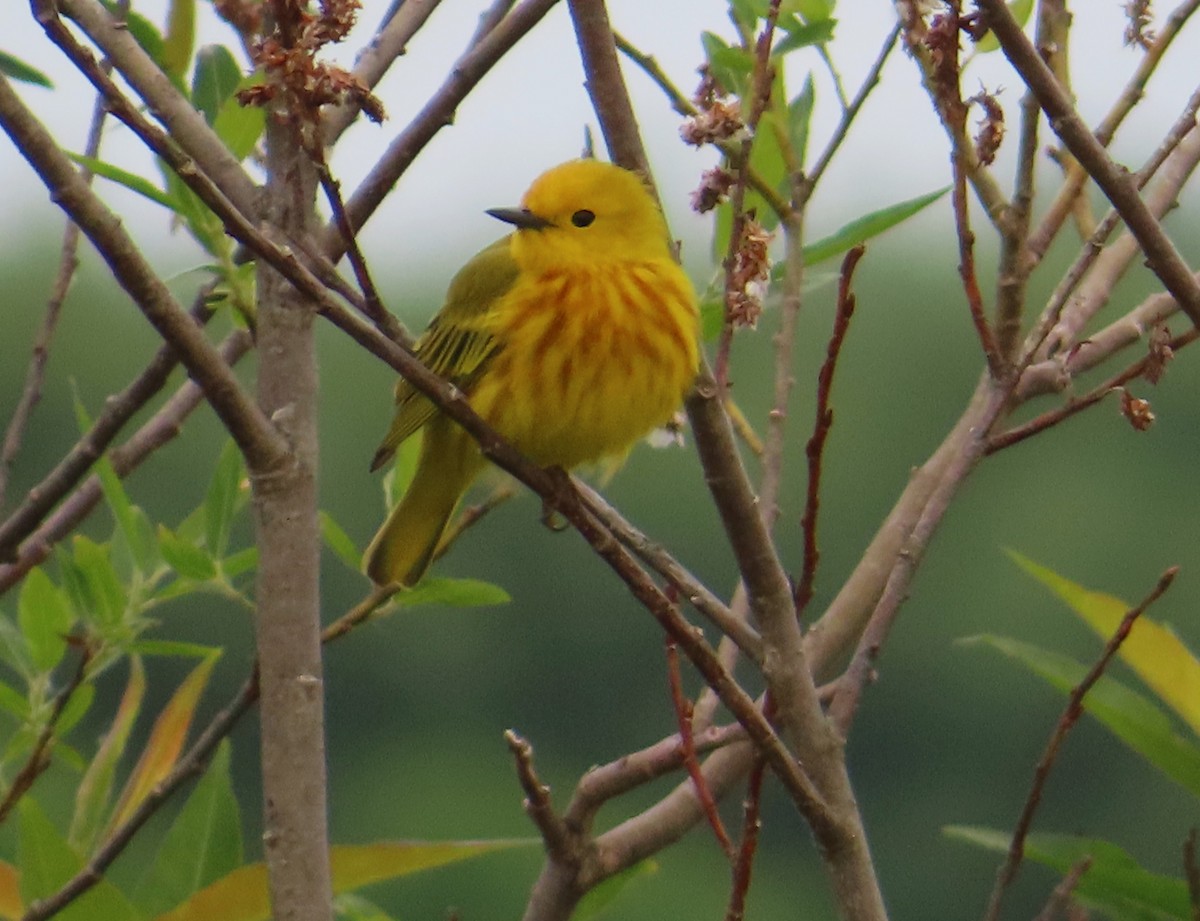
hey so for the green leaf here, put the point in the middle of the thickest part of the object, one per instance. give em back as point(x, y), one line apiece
point(601, 897)
point(144, 32)
point(1152, 649)
point(47, 862)
point(1131, 717)
point(730, 66)
point(174, 648)
point(185, 558)
point(1021, 10)
point(461, 593)
point(805, 35)
point(808, 10)
point(239, 563)
point(1114, 883)
point(14, 703)
point(14, 649)
point(75, 709)
point(799, 117)
point(204, 226)
point(397, 480)
point(337, 540)
point(349, 906)
point(241, 126)
point(19, 70)
point(864, 228)
point(131, 181)
point(103, 596)
point(747, 13)
point(224, 493)
point(180, 38)
point(203, 844)
point(45, 617)
point(215, 79)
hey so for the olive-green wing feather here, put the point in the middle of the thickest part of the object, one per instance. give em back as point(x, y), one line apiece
point(459, 341)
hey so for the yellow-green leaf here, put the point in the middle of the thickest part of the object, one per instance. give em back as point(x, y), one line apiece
point(165, 742)
point(242, 895)
point(92, 797)
point(1152, 649)
point(11, 906)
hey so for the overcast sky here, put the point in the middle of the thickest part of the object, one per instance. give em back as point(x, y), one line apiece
point(529, 113)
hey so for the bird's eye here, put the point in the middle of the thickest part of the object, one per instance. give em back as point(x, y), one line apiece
point(582, 218)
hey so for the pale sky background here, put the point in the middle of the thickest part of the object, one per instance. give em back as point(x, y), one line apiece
point(529, 114)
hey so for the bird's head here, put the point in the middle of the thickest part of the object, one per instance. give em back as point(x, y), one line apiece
point(585, 212)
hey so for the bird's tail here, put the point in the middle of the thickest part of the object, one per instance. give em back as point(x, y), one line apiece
point(408, 540)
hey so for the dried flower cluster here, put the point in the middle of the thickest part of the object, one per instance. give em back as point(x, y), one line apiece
point(295, 79)
point(713, 189)
point(991, 127)
point(1136, 410)
point(718, 118)
point(1137, 30)
point(749, 272)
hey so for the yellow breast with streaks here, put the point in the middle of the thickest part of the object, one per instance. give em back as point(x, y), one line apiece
point(591, 359)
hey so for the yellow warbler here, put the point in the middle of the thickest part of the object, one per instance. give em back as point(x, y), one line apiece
point(572, 337)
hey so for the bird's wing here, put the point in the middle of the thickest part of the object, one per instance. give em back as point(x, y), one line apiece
point(459, 341)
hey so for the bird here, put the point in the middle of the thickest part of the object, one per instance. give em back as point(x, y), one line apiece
point(573, 336)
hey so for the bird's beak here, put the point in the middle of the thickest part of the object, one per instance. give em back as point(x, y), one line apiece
point(521, 218)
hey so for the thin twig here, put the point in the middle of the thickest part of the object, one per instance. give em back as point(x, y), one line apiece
point(1074, 709)
point(39, 756)
point(743, 865)
point(559, 839)
point(1061, 896)
point(683, 717)
point(692, 589)
point(814, 450)
point(68, 261)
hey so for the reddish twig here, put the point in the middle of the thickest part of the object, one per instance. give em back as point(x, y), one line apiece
point(1074, 709)
point(814, 450)
point(683, 716)
point(743, 865)
point(1062, 893)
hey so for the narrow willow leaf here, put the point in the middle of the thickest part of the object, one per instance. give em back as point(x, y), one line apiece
point(180, 38)
point(1021, 10)
point(864, 228)
point(805, 35)
point(242, 895)
point(1152, 649)
point(337, 540)
point(460, 593)
point(222, 500)
point(165, 742)
point(1114, 883)
point(131, 181)
point(17, 69)
point(1132, 718)
point(94, 794)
